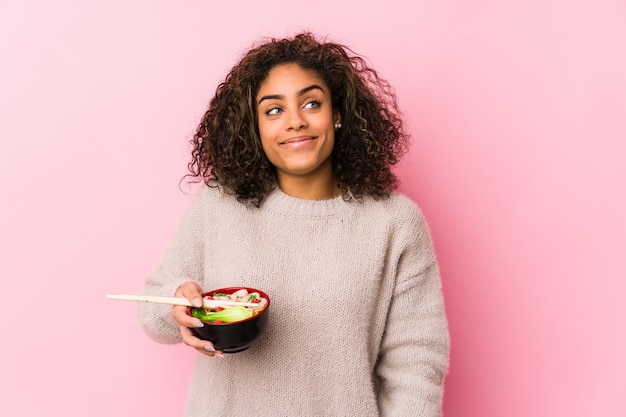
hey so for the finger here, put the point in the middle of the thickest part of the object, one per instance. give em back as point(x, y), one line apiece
point(184, 319)
point(192, 292)
point(203, 346)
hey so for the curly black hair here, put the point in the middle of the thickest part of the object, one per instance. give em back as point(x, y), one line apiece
point(226, 148)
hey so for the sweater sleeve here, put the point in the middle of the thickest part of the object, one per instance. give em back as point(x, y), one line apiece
point(182, 262)
point(414, 354)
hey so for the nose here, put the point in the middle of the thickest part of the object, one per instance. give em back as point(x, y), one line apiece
point(296, 121)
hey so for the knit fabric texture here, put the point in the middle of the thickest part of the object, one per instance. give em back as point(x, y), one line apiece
point(357, 322)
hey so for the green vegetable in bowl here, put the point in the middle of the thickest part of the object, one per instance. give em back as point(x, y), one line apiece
point(227, 315)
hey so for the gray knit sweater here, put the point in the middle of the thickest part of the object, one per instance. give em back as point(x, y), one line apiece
point(357, 323)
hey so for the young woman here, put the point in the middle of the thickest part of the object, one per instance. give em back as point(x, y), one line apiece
point(295, 152)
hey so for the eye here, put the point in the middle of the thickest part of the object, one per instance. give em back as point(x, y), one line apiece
point(273, 111)
point(313, 104)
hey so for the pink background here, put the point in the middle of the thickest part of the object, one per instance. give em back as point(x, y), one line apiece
point(518, 111)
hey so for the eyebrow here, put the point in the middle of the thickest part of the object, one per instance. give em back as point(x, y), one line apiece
point(300, 93)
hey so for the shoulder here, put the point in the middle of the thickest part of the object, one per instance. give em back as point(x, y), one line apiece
point(396, 207)
point(405, 220)
point(211, 193)
point(216, 197)
point(211, 203)
point(401, 202)
point(411, 234)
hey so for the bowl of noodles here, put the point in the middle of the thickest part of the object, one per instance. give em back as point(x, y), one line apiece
point(236, 325)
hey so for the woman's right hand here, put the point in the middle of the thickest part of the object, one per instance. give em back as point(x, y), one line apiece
point(192, 292)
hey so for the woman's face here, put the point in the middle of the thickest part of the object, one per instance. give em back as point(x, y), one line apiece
point(296, 124)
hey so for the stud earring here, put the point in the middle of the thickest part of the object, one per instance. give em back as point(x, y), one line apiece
point(337, 126)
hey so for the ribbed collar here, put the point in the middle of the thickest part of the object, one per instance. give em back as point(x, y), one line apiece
point(278, 201)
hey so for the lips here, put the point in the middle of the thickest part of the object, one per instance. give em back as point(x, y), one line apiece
point(298, 142)
point(297, 139)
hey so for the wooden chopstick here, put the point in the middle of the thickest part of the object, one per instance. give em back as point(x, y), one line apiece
point(179, 301)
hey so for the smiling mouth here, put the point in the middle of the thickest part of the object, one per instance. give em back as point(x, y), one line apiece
point(298, 140)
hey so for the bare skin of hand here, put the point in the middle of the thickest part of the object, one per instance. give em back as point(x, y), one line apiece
point(192, 292)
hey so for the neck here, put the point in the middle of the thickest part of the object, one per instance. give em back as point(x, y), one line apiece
point(309, 189)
